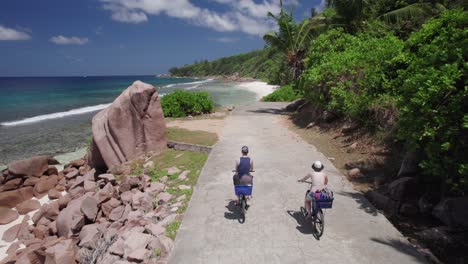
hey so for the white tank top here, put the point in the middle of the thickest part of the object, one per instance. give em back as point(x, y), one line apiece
point(318, 181)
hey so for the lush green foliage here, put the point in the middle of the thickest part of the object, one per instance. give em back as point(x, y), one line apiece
point(349, 73)
point(284, 94)
point(378, 79)
point(434, 97)
point(265, 64)
point(182, 103)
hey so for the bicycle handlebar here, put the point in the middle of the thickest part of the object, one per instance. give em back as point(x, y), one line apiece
point(304, 181)
point(236, 171)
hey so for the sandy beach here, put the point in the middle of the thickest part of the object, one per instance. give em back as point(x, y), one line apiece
point(260, 88)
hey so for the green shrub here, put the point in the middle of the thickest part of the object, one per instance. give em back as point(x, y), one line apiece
point(284, 94)
point(182, 103)
point(349, 73)
point(434, 98)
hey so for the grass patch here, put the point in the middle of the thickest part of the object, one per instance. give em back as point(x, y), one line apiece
point(192, 137)
point(172, 228)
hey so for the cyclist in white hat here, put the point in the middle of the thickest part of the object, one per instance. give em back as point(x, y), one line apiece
point(319, 181)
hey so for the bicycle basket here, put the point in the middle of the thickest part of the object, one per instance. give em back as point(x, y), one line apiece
point(243, 189)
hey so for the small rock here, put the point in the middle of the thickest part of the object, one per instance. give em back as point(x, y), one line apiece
point(156, 187)
point(77, 163)
point(46, 184)
point(76, 193)
point(28, 206)
point(89, 207)
point(155, 229)
point(31, 181)
point(54, 194)
point(352, 147)
point(184, 175)
point(107, 178)
point(138, 255)
point(52, 170)
point(89, 186)
point(61, 253)
point(108, 206)
point(355, 173)
point(173, 170)
point(310, 125)
point(117, 248)
point(409, 208)
point(12, 184)
point(148, 165)
point(7, 215)
point(163, 197)
point(64, 200)
point(136, 241)
point(184, 187)
point(105, 193)
point(79, 181)
point(181, 198)
point(90, 175)
point(166, 245)
point(10, 234)
point(116, 213)
point(72, 174)
point(89, 235)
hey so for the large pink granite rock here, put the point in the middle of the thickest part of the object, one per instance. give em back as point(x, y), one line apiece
point(131, 125)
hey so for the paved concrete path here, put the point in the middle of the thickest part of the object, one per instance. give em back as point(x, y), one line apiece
point(274, 230)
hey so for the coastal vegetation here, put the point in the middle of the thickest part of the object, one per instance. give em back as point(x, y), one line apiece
point(265, 64)
point(283, 94)
point(184, 103)
point(396, 67)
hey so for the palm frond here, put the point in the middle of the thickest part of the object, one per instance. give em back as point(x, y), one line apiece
point(409, 12)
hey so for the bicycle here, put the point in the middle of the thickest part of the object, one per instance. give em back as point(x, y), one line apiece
point(318, 216)
point(242, 191)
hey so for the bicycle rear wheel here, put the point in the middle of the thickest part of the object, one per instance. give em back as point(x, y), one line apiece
point(243, 205)
point(319, 223)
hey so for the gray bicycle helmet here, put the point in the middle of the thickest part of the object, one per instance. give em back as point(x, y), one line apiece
point(245, 149)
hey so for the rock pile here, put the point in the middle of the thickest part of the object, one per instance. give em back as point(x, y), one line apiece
point(91, 218)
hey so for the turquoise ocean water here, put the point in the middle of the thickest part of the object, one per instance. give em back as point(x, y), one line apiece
point(52, 115)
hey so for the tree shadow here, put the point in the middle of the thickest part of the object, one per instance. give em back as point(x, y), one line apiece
point(303, 226)
point(403, 247)
point(364, 204)
point(274, 111)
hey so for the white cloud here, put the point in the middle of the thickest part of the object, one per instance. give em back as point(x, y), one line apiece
point(62, 40)
point(242, 15)
point(12, 34)
point(320, 6)
point(226, 39)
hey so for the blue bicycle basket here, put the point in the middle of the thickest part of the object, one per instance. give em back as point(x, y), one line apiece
point(243, 189)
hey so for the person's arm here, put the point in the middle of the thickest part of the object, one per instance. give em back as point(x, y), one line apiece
point(251, 165)
point(308, 176)
point(236, 165)
point(326, 179)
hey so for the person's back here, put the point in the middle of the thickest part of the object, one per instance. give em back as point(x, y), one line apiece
point(318, 180)
point(244, 166)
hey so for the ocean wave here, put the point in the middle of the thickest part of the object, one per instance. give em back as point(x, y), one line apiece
point(39, 118)
point(198, 82)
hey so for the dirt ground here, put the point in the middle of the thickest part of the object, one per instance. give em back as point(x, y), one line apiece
point(212, 123)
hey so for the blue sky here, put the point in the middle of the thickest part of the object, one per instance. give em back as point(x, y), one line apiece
point(129, 37)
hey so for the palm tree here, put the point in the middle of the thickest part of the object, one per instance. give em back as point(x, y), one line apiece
point(414, 11)
point(290, 39)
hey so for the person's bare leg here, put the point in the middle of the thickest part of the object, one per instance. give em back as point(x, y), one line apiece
point(307, 207)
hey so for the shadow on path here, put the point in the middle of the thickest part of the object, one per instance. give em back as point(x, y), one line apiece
point(274, 111)
point(303, 226)
point(364, 204)
point(233, 212)
point(401, 246)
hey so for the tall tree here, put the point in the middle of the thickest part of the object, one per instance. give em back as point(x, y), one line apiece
point(290, 39)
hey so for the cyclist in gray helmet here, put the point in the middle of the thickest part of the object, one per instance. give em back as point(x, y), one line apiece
point(319, 181)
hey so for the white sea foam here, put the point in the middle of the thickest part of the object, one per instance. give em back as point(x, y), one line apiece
point(77, 111)
point(178, 84)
